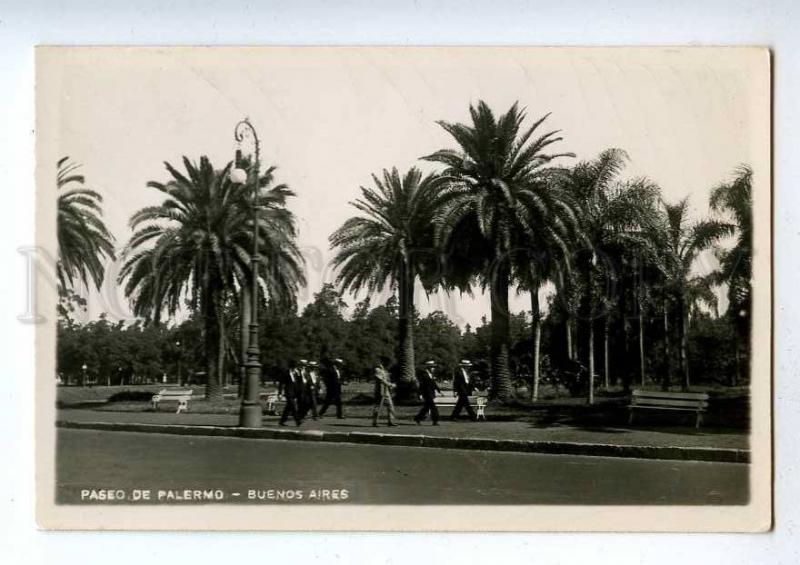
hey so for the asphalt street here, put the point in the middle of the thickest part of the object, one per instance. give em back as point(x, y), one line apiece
point(179, 469)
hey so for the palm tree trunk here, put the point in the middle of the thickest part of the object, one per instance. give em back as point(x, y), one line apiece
point(605, 354)
point(536, 322)
point(667, 353)
point(405, 347)
point(641, 345)
point(500, 331)
point(213, 389)
point(244, 332)
point(568, 326)
point(684, 349)
point(591, 361)
point(221, 351)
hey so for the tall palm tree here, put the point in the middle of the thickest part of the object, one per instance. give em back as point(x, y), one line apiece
point(83, 240)
point(611, 215)
point(390, 243)
point(495, 193)
point(545, 259)
point(197, 244)
point(534, 271)
point(681, 242)
point(734, 200)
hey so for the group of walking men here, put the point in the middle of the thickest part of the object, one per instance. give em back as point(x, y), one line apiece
point(302, 385)
point(301, 388)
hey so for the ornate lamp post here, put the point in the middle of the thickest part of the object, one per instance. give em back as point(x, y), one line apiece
point(250, 414)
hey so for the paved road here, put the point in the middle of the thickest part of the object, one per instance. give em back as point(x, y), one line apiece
point(89, 459)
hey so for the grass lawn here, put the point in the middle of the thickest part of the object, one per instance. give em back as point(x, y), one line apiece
point(729, 408)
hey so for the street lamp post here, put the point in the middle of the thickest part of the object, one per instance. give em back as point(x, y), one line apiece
point(250, 414)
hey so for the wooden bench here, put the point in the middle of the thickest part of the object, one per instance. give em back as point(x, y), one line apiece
point(181, 396)
point(477, 402)
point(696, 402)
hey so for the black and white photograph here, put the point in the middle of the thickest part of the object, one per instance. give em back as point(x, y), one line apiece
point(403, 288)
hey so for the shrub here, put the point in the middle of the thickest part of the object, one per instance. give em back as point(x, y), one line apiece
point(131, 396)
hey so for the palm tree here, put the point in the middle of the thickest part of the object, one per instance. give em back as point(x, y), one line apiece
point(681, 242)
point(546, 260)
point(391, 243)
point(83, 240)
point(534, 272)
point(611, 215)
point(735, 200)
point(198, 242)
point(495, 194)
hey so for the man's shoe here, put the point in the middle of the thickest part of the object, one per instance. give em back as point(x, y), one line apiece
point(392, 425)
point(374, 424)
point(417, 420)
point(281, 423)
point(436, 423)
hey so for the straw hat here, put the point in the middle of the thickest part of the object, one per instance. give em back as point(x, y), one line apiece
point(430, 363)
point(466, 362)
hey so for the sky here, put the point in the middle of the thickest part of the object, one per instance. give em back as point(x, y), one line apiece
point(330, 117)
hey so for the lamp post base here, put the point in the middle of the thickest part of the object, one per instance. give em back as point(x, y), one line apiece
point(251, 414)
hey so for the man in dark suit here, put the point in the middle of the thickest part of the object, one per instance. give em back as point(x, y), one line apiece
point(310, 389)
point(332, 377)
point(463, 385)
point(427, 390)
point(292, 386)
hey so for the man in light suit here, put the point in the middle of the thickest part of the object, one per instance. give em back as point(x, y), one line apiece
point(383, 393)
point(463, 385)
point(427, 390)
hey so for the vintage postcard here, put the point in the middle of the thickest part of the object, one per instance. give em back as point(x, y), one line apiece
point(494, 289)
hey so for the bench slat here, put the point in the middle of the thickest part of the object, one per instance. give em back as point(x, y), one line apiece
point(694, 404)
point(672, 395)
point(632, 406)
point(453, 399)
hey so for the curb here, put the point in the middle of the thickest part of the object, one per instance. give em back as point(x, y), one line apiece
point(717, 455)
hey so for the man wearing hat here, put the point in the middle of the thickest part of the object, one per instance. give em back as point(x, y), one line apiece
point(383, 393)
point(462, 387)
point(427, 390)
point(311, 389)
point(292, 385)
point(332, 377)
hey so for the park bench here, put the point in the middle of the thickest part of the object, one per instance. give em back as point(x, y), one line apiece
point(180, 396)
point(696, 402)
point(272, 400)
point(477, 402)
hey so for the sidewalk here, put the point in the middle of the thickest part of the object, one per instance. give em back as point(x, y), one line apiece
point(682, 442)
